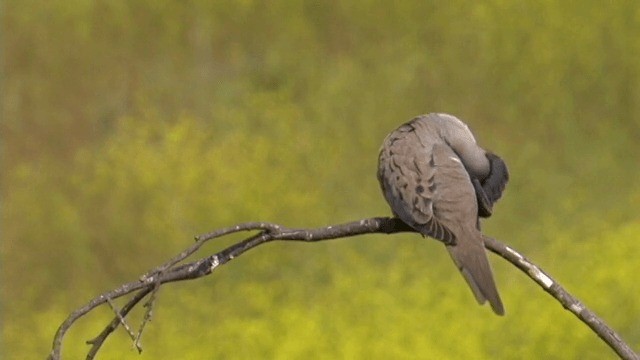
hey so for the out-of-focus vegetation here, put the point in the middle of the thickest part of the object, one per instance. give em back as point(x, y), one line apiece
point(129, 126)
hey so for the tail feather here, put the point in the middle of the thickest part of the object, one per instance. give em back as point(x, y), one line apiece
point(471, 259)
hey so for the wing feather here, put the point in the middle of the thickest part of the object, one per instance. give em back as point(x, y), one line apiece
point(413, 186)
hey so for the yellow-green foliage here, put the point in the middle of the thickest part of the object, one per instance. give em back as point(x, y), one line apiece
point(130, 126)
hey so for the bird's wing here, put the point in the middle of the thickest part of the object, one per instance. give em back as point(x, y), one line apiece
point(410, 182)
point(455, 202)
point(457, 209)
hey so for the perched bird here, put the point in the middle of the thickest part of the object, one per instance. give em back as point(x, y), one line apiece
point(439, 181)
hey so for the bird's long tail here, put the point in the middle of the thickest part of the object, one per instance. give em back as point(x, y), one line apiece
point(470, 257)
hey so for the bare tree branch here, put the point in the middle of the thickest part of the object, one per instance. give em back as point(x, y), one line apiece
point(567, 300)
point(172, 271)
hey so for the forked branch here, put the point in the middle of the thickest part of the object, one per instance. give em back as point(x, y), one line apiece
point(176, 270)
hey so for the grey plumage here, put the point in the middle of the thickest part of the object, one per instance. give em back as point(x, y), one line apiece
point(438, 181)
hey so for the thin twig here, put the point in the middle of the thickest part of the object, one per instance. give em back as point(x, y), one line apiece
point(97, 342)
point(147, 316)
point(172, 271)
point(122, 321)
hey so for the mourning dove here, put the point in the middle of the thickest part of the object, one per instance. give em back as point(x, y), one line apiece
point(439, 181)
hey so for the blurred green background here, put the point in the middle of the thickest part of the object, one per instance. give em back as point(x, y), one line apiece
point(130, 126)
